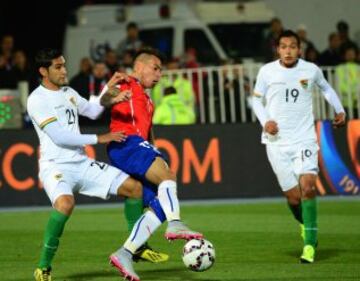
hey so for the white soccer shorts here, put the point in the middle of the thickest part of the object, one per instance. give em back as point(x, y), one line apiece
point(290, 161)
point(88, 177)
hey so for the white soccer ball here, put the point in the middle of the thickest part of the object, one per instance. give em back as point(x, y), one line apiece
point(198, 255)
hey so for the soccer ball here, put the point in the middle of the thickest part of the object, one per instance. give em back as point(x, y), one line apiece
point(198, 255)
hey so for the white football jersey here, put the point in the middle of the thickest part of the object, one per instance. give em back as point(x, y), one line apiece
point(45, 106)
point(288, 94)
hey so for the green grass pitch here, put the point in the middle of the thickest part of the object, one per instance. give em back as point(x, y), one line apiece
point(255, 241)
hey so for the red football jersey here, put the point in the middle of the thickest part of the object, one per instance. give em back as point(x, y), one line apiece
point(133, 117)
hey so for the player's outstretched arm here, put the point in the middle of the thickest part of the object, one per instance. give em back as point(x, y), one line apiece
point(111, 136)
point(62, 137)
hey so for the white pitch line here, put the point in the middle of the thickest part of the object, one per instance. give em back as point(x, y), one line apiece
point(202, 202)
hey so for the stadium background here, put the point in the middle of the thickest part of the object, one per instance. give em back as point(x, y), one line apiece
point(26, 20)
point(43, 24)
point(255, 239)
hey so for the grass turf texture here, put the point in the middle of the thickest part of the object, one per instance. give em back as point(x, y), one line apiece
point(256, 241)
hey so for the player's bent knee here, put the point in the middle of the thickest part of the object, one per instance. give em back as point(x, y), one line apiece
point(159, 171)
point(307, 183)
point(137, 191)
point(65, 204)
point(308, 191)
point(130, 188)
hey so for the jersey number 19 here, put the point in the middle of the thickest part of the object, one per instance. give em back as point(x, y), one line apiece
point(293, 93)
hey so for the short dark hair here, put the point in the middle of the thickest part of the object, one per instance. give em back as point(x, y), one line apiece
point(45, 56)
point(169, 91)
point(131, 25)
point(288, 33)
point(342, 26)
point(150, 51)
point(276, 19)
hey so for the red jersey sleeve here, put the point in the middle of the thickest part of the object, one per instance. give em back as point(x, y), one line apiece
point(133, 117)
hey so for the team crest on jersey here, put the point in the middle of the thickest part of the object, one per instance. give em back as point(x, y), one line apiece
point(58, 176)
point(304, 83)
point(73, 101)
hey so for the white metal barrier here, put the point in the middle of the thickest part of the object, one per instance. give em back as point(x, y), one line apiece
point(223, 93)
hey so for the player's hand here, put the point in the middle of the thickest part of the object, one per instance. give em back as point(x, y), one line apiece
point(121, 96)
point(271, 127)
point(117, 78)
point(109, 137)
point(339, 120)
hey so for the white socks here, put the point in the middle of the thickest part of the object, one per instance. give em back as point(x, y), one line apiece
point(168, 200)
point(142, 230)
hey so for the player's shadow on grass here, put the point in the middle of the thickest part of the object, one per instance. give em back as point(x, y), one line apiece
point(90, 275)
point(321, 254)
point(324, 254)
point(175, 273)
point(180, 273)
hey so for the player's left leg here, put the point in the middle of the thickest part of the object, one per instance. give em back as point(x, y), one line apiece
point(160, 175)
point(133, 210)
point(123, 257)
point(306, 166)
point(309, 208)
point(134, 157)
point(143, 229)
point(123, 185)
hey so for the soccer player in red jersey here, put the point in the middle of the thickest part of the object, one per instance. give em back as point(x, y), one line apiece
point(139, 158)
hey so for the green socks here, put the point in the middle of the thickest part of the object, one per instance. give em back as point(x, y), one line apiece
point(297, 212)
point(133, 211)
point(309, 211)
point(53, 232)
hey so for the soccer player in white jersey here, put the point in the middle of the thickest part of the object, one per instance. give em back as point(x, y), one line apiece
point(64, 167)
point(288, 130)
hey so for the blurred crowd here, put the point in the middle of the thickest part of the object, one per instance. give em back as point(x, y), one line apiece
point(341, 48)
point(177, 96)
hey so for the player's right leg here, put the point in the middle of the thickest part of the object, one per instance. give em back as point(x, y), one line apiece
point(63, 206)
point(282, 166)
point(293, 197)
point(145, 252)
point(160, 175)
point(283, 169)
